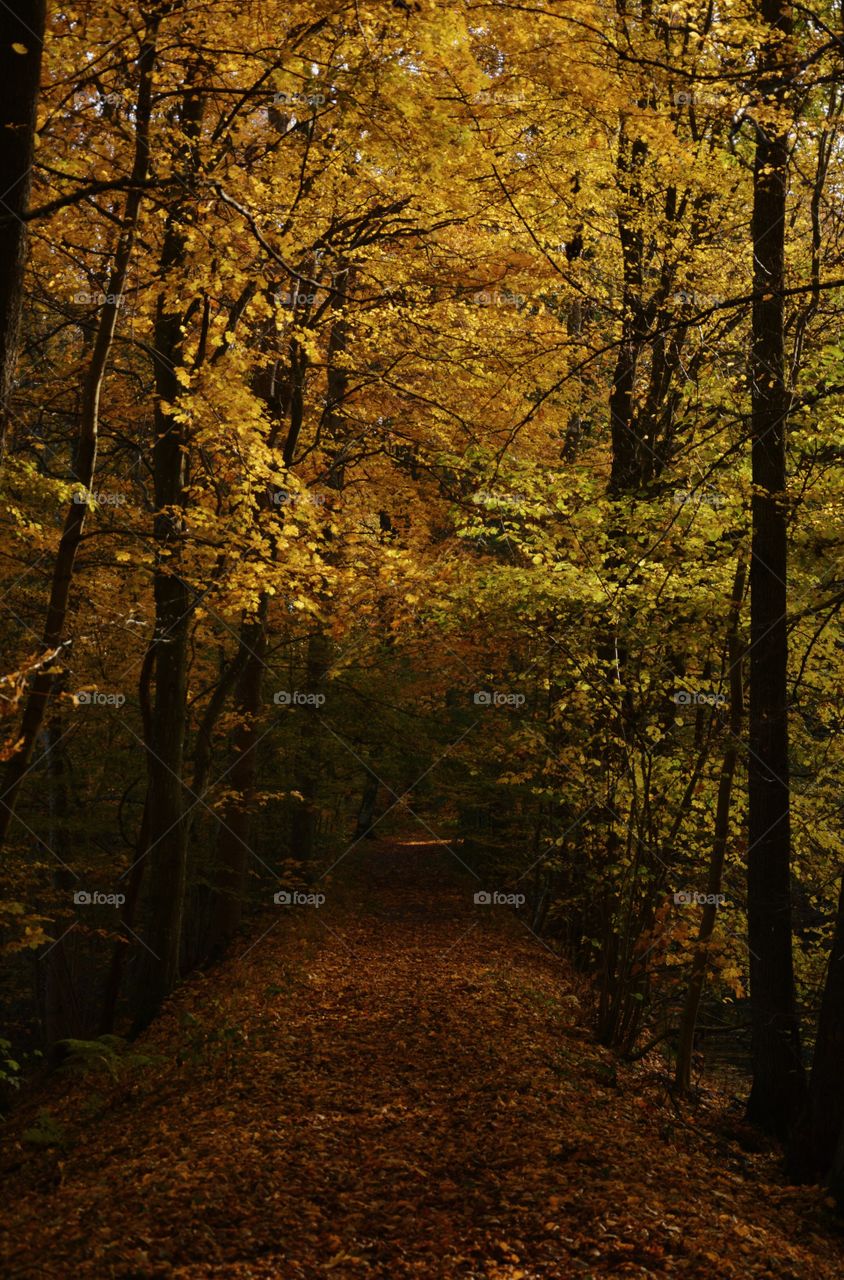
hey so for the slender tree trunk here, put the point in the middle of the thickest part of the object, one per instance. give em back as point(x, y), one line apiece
point(62, 1016)
point(813, 1145)
point(165, 742)
point(127, 918)
point(136, 871)
point(85, 460)
point(233, 841)
point(21, 45)
point(304, 822)
point(366, 813)
point(778, 1076)
point(629, 462)
point(688, 1023)
point(836, 1177)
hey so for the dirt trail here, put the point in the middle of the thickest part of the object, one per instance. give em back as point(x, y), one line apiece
point(398, 1085)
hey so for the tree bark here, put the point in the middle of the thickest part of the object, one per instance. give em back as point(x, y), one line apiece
point(85, 460)
point(778, 1076)
point(303, 827)
point(21, 45)
point(233, 848)
point(173, 606)
point(811, 1154)
point(62, 1014)
point(688, 1023)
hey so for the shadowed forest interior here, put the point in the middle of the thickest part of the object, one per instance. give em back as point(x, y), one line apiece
point(421, 577)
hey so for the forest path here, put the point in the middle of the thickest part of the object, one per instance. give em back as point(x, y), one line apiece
point(397, 1084)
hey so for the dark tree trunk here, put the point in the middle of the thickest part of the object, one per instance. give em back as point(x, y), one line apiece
point(165, 741)
point(168, 722)
point(629, 460)
point(137, 868)
point(62, 1015)
point(697, 978)
point(304, 822)
point(85, 459)
point(233, 841)
point(836, 1177)
point(21, 45)
point(778, 1076)
point(812, 1150)
point(366, 813)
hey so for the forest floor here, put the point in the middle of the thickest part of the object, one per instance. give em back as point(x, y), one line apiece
point(398, 1083)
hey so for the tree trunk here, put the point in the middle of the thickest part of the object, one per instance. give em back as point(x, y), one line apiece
point(233, 847)
point(165, 740)
point(21, 45)
point(688, 1023)
point(85, 460)
point(62, 1015)
point(812, 1149)
point(778, 1076)
point(304, 822)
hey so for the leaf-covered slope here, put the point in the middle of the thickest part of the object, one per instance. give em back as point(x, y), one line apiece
point(399, 1083)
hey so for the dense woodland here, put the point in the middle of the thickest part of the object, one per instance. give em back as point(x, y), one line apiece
point(426, 418)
